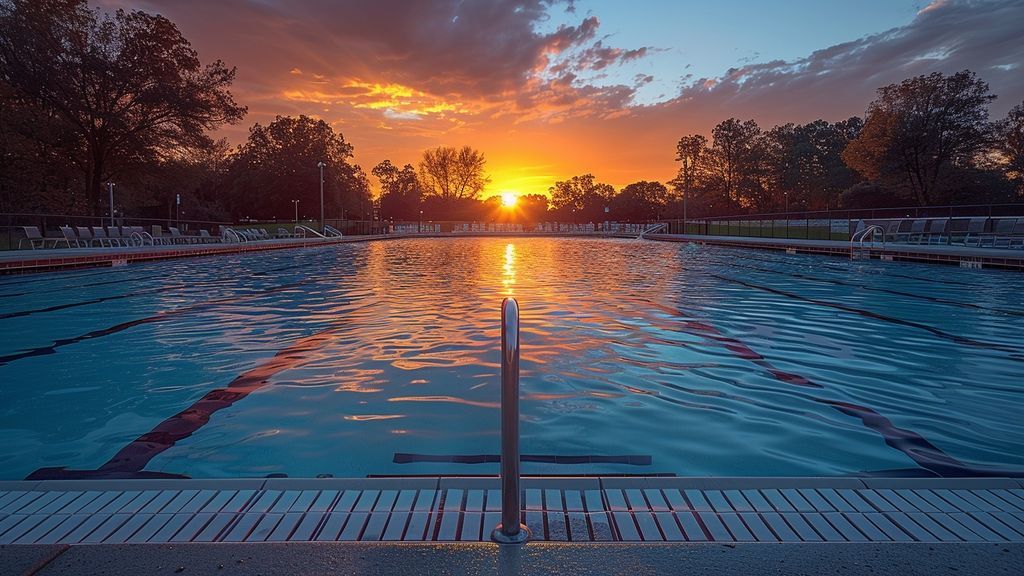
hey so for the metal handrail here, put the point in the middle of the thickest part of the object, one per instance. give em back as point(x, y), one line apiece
point(510, 530)
point(306, 230)
point(652, 229)
point(861, 235)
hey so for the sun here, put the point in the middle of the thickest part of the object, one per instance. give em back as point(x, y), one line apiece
point(508, 199)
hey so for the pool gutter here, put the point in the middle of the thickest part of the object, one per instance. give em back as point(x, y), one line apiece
point(963, 256)
point(454, 509)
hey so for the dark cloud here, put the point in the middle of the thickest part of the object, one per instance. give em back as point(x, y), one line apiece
point(598, 56)
point(983, 36)
point(400, 75)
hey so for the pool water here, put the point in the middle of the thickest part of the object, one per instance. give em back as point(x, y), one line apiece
point(638, 357)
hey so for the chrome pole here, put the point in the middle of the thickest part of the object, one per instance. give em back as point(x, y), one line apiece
point(110, 188)
point(510, 531)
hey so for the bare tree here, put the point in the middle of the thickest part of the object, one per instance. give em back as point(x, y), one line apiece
point(453, 173)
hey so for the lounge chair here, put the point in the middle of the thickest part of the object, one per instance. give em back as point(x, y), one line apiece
point(206, 238)
point(975, 229)
point(935, 232)
point(284, 233)
point(99, 236)
point(34, 238)
point(70, 238)
point(85, 236)
point(177, 237)
point(1017, 236)
point(916, 231)
point(999, 237)
point(115, 234)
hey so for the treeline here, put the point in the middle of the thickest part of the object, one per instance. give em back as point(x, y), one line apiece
point(90, 97)
point(925, 141)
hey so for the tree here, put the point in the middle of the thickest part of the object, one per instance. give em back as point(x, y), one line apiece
point(692, 154)
point(737, 156)
point(580, 198)
point(278, 164)
point(1010, 146)
point(35, 145)
point(917, 134)
point(453, 174)
point(128, 85)
point(400, 191)
point(806, 162)
point(640, 201)
point(532, 207)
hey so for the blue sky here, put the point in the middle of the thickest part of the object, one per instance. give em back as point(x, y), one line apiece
point(704, 39)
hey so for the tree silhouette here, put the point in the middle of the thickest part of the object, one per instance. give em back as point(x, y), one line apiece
point(278, 164)
point(128, 84)
point(581, 199)
point(1010, 146)
point(400, 191)
point(640, 201)
point(806, 162)
point(920, 132)
point(453, 173)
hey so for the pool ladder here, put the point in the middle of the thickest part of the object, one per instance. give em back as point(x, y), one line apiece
point(510, 530)
point(651, 230)
point(857, 248)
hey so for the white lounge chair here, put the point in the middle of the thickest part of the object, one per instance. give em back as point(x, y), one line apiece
point(36, 239)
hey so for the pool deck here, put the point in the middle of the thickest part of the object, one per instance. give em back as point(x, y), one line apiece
point(28, 261)
point(966, 256)
point(441, 525)
point(556, 509)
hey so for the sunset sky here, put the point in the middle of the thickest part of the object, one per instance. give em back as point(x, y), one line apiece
point(548, 90)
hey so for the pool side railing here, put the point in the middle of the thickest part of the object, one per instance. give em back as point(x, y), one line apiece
point(510, 530)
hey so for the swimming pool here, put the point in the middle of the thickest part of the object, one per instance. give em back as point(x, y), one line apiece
point(638, 357)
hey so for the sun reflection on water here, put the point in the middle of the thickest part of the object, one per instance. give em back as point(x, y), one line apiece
point(508, 279)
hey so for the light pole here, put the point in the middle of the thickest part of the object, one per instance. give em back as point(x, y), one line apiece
point(296, 203)
point(323, 223)
point(686, 186)
point(786, 196)
point(110, 187)
point(419, 224)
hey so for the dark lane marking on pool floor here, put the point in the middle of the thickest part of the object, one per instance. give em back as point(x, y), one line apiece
point(628, 459)
point(848, 270)
point(162, 289)
point(1014, 353)
point(838, 282)
point(738, 348)
point(159, 317)
point(57, 307)
point(136, 455)
point(913, 445)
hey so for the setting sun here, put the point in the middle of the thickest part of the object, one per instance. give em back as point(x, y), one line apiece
point(508, 199)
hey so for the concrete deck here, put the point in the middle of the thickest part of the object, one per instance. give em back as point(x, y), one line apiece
point(22, 261)
point(534, 558)
point(1006, 258)
point(608, 509)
